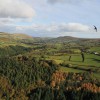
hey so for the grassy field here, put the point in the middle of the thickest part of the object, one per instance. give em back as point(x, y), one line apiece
point(66, 69)
point(5, 44)
point(76, 59)
point(91, 62)
point(97, 49)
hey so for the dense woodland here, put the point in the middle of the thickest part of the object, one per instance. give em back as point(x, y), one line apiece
point(22, 78)
point(13, 50)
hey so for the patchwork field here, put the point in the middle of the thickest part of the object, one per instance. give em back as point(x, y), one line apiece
point(63, 67)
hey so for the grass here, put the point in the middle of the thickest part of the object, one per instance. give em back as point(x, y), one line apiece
point(97, 49)
point(5, 44)
point(91, 62)
point(76, 59)
point(66, 69)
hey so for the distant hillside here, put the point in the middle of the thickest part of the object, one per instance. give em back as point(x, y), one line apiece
point(14, 36)
point(7, 39)
point(23, 38)
point(71, 39)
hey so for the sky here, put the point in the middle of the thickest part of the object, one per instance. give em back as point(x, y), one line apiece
point(51, 18)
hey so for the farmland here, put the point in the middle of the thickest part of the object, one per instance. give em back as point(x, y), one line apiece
point(63, 67)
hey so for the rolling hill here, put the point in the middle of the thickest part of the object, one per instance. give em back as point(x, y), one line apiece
point(72, 39)
point(14, 36)
point(26, 39)
point(9, 39)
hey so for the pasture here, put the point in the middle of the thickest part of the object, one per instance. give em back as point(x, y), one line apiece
point(91, 63)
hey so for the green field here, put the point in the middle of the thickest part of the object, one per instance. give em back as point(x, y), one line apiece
point(76, 59)
point(97, 49)
point(91, 62)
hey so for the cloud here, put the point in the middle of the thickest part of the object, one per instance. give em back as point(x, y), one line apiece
point(62, 1)
point(66, 1)
point(52, 30)
point(74, 27)
point(55, 1)
point(15, 9)
point(63, 27)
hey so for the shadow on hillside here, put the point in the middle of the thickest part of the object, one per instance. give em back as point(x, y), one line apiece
point(97, 60)
point(82, 64)
point(75, 61)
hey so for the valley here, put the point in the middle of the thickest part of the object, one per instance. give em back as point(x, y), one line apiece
point(34, 67)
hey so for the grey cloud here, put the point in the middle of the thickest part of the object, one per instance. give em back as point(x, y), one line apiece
point(7, 21)
point(56, 1)
point(15, 9)
point(66, 1)
point(62, 1)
